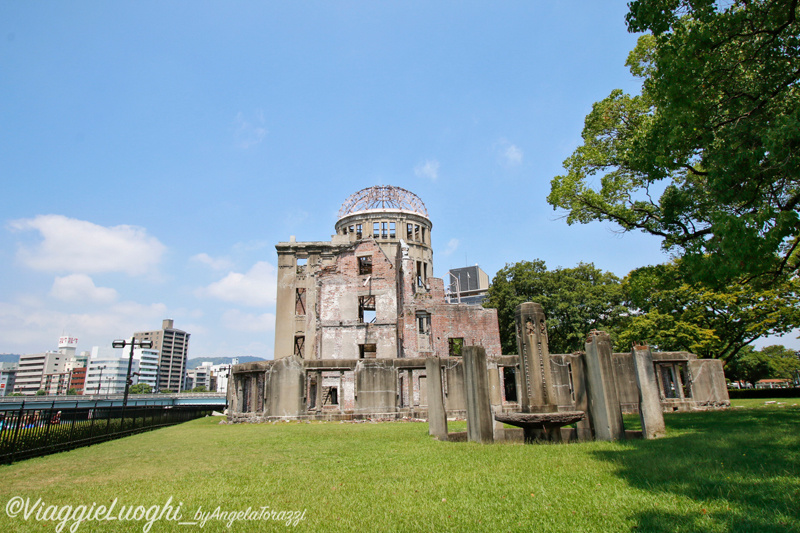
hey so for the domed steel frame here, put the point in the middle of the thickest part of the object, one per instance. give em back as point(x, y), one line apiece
point(382, 197)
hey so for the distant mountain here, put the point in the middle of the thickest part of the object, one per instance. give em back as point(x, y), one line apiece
point(195, 362)
point(9, 358)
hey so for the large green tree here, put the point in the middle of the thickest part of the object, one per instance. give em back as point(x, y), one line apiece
point(707, 157)
point(575, 300)
point(672, 313)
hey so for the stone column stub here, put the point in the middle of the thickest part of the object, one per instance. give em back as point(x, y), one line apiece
point(649, 401)
point(538, 393)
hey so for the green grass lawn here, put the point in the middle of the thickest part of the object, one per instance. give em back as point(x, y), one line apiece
point(737, 470)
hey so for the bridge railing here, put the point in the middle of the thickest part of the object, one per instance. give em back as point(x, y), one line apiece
point(139, 398)
point(39, 429)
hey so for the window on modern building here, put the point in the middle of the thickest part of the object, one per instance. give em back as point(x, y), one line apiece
point(365, 265)
point(367, 351)
point(366, 309)
point(300, 302)
point(456, 345)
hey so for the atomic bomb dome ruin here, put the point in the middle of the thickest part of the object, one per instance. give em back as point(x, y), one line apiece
point(363, 330)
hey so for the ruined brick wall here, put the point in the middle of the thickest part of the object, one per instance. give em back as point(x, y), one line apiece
point(475, 325)
point(340, 330)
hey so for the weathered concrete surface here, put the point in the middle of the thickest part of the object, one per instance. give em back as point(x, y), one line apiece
point(376, 387)
point(284, 388)
point(476, 391)
point(537, 379)
point(604, 408)
point(437, 418)
point(649, 400)
point(708, 384)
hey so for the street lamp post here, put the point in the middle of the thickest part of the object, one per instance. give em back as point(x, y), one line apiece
point(122, 344)
point(100, 380)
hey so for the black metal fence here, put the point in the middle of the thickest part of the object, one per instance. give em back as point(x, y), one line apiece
point(41, 429)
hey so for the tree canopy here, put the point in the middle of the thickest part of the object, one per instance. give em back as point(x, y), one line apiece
point(672, 313)
point(707, 157)
point(575, 300)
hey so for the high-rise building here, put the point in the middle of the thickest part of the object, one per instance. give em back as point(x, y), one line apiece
point(8, 374)
point(172, 346)
point(107, 375)
point(468, 285)
point(41, 370)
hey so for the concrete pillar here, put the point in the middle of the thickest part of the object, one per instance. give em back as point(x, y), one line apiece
point(437, 418)
point(649, 400)
point(604, 408)
point(476, 385)
point(376, 390)
point(537, 393)
point(285, 387)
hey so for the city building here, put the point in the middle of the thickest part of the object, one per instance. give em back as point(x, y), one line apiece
point(8, 374)
point(77, 379)
point(107, 375)
point(467, 285)
point(41, 370)
point(172, 346)
point(148, 366)
point(202, 376)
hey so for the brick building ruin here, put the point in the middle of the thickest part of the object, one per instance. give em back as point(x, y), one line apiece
point(358, 316)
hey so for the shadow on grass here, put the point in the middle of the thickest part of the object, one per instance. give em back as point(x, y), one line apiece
point(739, 468)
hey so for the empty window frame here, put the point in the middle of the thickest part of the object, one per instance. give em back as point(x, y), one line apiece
point(384, 230)
point(510, 383)
point(367, 351)
point(365, 265)
point(366, 309)
point(300, 302)
point(416, 232)
point(456, 346)
point(359, 231)
point(424, 323)
point(330, 396)
point(299, 345)
point(423, 234)
point(392, 230)
point(409, 232)
point(376, 230)
point(420, 281)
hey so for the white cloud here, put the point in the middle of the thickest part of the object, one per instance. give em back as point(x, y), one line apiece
point(250, 131)
point(79, 246)
point(30, 329)
point(513, 155)
point(79, 288)
point(428, 169)
point(452, 246)
point(510, 154)
point(255, 288)
point(219, 263)
point(239, 321)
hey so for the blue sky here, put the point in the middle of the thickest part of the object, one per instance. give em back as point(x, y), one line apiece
point(153, 153)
